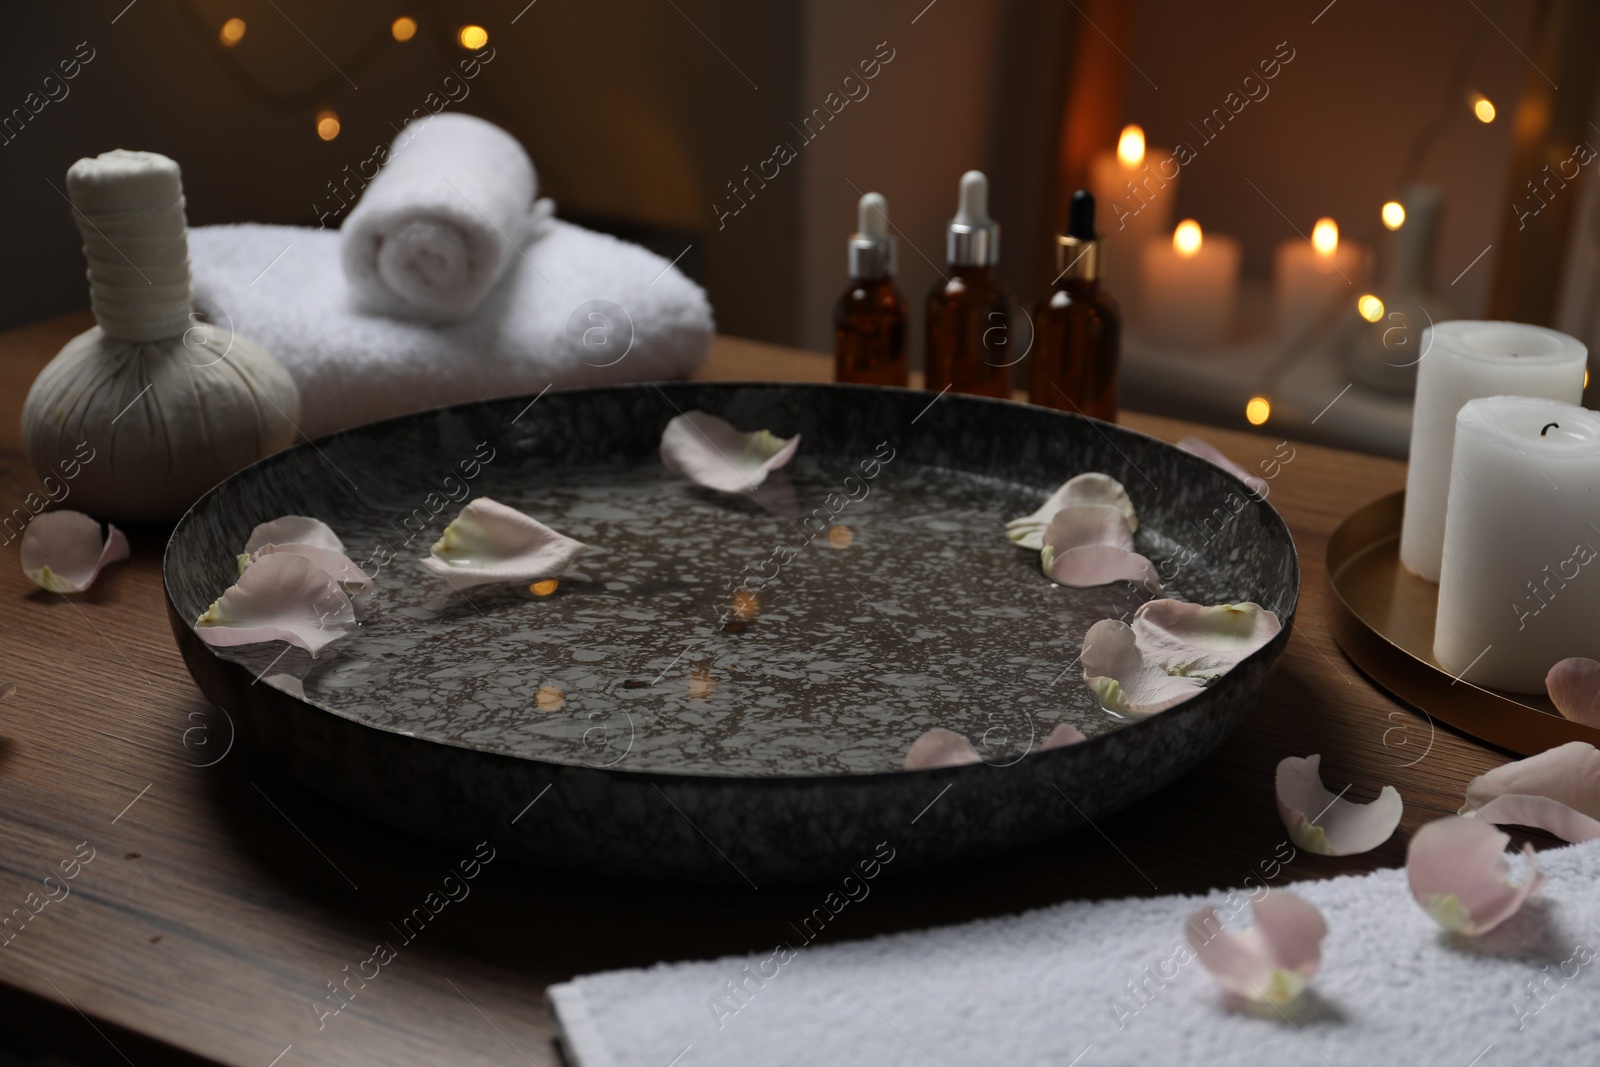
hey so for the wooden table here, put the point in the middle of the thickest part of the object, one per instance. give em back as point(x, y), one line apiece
point(221, 899)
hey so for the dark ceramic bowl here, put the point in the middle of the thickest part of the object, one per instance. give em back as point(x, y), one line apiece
point(726, 688)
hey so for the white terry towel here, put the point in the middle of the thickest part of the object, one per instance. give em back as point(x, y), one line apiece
point(1096, 985)
point(576, 308)
point(436, 229)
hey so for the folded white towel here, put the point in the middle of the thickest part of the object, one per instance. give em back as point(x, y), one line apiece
point(436, 229)
point(548, 324)
point(1098, 984)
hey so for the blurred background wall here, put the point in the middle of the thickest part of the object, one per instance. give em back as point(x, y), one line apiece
point(639, 113)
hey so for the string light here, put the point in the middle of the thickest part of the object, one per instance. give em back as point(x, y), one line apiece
point(472, 38)
point(1187, 237)
point(327, 124)
point(232, 32)
point(403, 28)
point(1482, 108)
point(1325, 237)
point(1370, 307)
point(1258, 410)
point(544, 587)
point(1130, 146)
point(1394, 215)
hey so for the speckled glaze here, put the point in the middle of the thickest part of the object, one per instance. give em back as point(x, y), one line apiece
point(725, 688)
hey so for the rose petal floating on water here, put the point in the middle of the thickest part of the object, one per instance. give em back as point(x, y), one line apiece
point(1271, 961)
point(294, 530)
point(1100, 489)
point(1574, 687)
point(279, 597)
point(489, 543)
point(1458, 873)
point(1322, 822)
point(709, 451)
point(1091, 544)
point(1557, 790)
point(64, 551)
point(1209, 452)
point(334, 564)
point(1201, 641)
point(1091, 565)
point(940, 748)
point(1124, 678)
point(1063, 735)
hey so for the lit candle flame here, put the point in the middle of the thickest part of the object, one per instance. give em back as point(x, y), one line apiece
point(1325, 237)
point(1130, 146)
point(1187, 237)
point(1394, 215)
point(1258, 410)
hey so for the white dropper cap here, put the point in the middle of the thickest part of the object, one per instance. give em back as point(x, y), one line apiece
point(974, 210)
point(872, 216)
point(973, 239)
point(871, 248)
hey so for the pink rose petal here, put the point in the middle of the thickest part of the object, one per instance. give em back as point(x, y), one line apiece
point(1088, 489)
point(1568, 774)
point(1271, 961)
point(63, 551)
point(1092, 544)
point(279, 597)
point(1199, 640)
point(940, 748)
point(1541, 813)
point(1322, 822)
point(1090, 565)
point(336, 565)
point(294, 530)
point(489, 543)
point(1574, 687)
point(1088, 524)
point(1212, 454)
point(710, 452)
point(1124, 678)
point(1559, 790)
point(1457, 869)
point(1063, 735)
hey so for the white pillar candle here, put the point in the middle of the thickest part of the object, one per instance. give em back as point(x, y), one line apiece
point(1134, 189)
point(1520, 588)
point(1189, 286)
point(1463, 360)
point(1312, 279)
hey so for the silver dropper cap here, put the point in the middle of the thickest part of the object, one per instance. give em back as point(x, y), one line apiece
point(872, 250)
point(972, 239)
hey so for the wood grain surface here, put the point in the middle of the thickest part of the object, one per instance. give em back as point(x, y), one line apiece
point(221, 901)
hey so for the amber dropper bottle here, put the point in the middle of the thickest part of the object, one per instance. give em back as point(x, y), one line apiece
point(1077, 326)
point(869, 321)
point(967, 349)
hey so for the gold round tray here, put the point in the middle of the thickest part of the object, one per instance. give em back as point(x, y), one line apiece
point(1383, 618)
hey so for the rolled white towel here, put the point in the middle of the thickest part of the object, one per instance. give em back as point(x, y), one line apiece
point(434, 232)
point(584, 309)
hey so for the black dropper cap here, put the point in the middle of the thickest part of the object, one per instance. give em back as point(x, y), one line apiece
point(1080, 219)
point(1078, 250)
